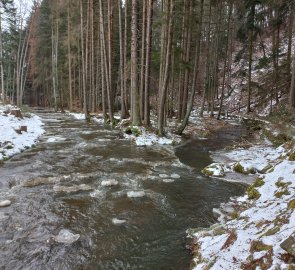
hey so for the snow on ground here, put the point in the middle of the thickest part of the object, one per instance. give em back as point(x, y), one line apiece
point(143, 137)
point(264, 219)
point(78, 116)
point(256, 158)
point(11, 142)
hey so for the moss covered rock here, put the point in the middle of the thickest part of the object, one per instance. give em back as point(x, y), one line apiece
point(133, 130)
point(292, 156)
point(253, 193)
point(291, 204)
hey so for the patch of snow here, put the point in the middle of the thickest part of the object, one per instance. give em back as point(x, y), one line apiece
point(12, 142)
point(78, 116)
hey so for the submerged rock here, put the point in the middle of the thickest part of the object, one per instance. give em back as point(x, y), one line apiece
point(66, 237)
point(117, 221)
point(109, 183)
point(168, 180)
point(73, 188)
point(135, 194)
point(175, 176)
point(5, 203)
point(39, 181)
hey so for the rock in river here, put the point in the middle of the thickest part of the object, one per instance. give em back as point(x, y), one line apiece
point(66, 237)
point(109, 183)
point(74, 188)
point(5, 203)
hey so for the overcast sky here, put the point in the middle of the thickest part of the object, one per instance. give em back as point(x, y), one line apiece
point(24, 6)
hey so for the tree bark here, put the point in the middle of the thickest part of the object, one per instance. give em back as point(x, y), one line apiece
point(136, 120)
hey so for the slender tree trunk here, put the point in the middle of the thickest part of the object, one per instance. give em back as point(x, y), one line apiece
point(107, 70)
point(196, 71)
point(292, 88)
point(3, 94)
point(125, 58)
point(142, 59)
point(207, 79)
point(164, 85)
point(70, 58)
point(187, 60)
point(225, 60)
point(250, 49)
point(85, 107)
point(136, 120)
point(290, 35)
point(123, 107)
point(148, 62)
point(53, 68)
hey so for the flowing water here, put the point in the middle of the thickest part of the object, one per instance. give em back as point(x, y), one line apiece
point(131, 205)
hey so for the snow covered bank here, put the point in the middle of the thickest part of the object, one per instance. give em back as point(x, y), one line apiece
point(12, 140)
point(255, 231)
point(256, 159)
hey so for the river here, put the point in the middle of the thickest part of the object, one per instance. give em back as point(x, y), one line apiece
point(139, 222)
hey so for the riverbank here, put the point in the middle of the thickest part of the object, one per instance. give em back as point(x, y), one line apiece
point(17, 133)
point(255, 230)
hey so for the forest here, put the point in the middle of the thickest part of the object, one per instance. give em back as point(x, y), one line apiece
point(151, 134)
point(142, 58)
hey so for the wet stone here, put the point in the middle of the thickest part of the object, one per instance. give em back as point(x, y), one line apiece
point(109, 183)
point(117, 221)
point(168, 180)
point(74, 188)
point(5, 203)
point(66, 237)
point(135, 194)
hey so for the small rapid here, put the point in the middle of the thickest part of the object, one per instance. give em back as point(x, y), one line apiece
point(129, 205)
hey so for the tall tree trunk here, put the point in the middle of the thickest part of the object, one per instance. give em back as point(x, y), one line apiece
point(165, 70)
point(148, 62)
point(136, 120)
point(85, 105)
point(3, 94)
point(187, 59)
point(195, 72)
point(290, 35)
point(292, 88)
point(142, 59)
point(226, 58)
point(70, 58)
point(123, 105)
point(53, 67)
point(207, 78)
point(105, 61)
point(250, 50)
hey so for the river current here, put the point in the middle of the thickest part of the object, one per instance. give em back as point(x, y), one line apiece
point(130, 205)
